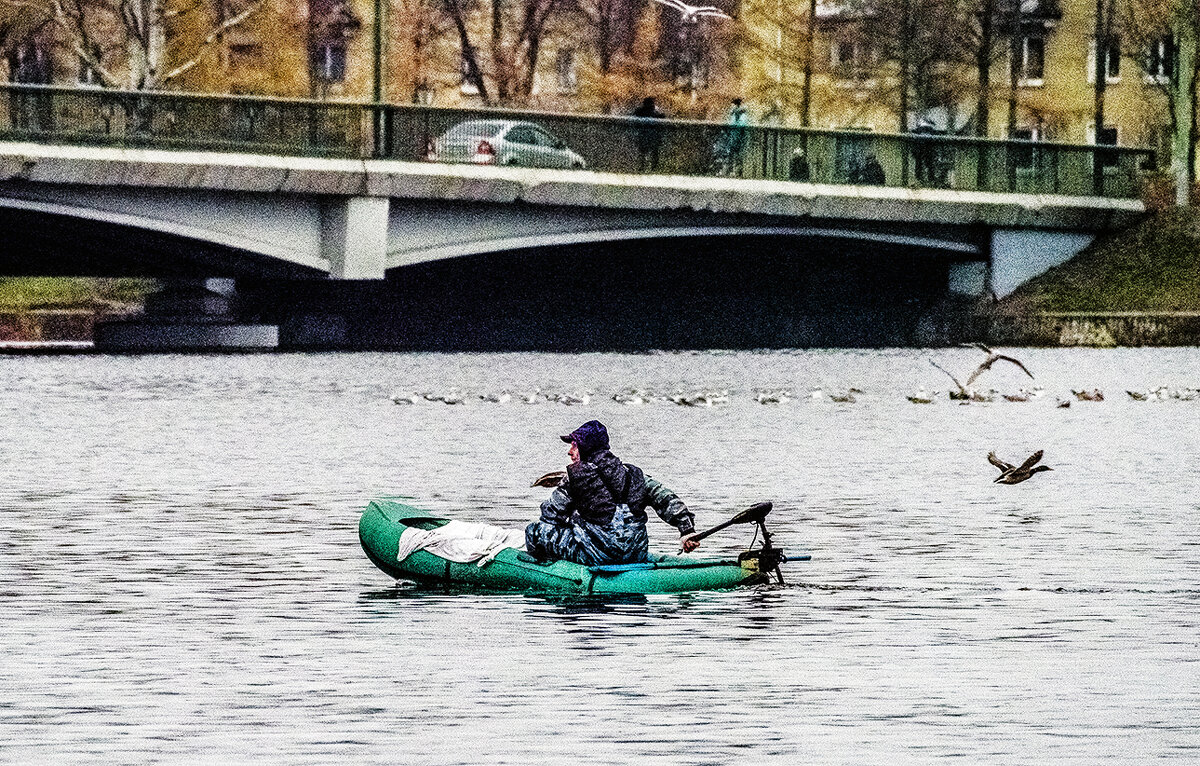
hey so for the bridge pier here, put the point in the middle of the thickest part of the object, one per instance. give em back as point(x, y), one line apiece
point(354, 234)
point(1019, 255)
point(968, 278)
point(188, 315)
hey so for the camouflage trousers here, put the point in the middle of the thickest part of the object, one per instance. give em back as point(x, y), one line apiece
point(622, 541)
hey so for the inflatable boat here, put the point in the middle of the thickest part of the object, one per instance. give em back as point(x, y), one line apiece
point(385, 520)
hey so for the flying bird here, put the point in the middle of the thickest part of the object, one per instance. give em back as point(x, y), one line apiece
point(992, 358)
point(690, 13)
point(1015, 474)
point(551, 479)
point(964, 389)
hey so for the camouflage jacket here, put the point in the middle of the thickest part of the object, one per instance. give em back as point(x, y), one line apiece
point(592, 491)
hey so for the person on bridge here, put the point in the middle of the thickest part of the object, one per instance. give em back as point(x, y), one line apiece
point(798, 169)
point(649, 139)
point(597, 513)
point(732, 142)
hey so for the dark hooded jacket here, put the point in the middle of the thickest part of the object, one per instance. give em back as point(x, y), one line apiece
point(603, 482)
point(597, 515)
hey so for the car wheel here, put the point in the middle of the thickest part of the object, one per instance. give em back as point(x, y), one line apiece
point(577, 165)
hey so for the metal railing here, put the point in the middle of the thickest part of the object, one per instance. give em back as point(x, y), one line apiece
point(295, 127)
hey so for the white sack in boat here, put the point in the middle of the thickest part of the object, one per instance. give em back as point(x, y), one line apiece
point(461, 541)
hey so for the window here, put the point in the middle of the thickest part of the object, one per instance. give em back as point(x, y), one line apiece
point(521, 135)
point(328, 61)
point(467, 86)
point(1112, 61)
point(568, 77)
point(88, 77)
point(547, 140)
point(30, 63)
point(1160, 60)
point(850, 57)
point(1031, 61)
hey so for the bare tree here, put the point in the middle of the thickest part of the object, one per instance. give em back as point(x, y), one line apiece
point(1103, 35)
point(782, 34)
point(624, 60)
point(503, 66)
point(1151, 31)
point(921, 44)
point(128, 43)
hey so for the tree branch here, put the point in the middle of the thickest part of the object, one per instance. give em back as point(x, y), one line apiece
point(212, 37)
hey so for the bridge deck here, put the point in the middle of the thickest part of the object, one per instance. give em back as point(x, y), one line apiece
point(22, 164)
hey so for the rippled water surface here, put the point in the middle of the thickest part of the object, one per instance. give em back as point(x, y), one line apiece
point(182, 580)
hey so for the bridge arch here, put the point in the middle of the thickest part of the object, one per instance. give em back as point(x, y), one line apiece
point(959, 250)
point(51, 238)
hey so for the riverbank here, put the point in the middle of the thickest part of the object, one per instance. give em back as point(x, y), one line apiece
point(1139, 287)
point(60, 312)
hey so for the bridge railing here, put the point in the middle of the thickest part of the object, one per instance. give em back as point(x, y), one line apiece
point(606, 143)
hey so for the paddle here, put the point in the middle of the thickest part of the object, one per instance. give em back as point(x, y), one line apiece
point(769, 557)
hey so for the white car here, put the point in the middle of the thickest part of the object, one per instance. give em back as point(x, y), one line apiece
point(503, 142)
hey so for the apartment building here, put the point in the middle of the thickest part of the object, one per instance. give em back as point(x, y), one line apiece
point(584, 57)
point(1040, 74)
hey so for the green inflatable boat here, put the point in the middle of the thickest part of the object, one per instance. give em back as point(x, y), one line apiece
point(384, 521)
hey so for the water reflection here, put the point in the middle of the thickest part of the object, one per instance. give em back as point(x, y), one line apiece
point(182, 577)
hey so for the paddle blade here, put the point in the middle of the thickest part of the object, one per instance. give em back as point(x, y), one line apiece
point(551, 479)
point(753, 514)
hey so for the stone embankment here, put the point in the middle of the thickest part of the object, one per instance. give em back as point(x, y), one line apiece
point(1139, 287)
point(56, 325)
point(1101, 329)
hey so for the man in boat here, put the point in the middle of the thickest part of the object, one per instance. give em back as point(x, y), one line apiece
point(597, 513)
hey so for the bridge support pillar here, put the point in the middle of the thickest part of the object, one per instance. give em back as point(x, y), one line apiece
point(354, 237)
point(1019, 255)
point(968, 278)
point(187, 315)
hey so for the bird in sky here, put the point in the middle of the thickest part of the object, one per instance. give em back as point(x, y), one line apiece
point(690, 13)
point(1015, 474)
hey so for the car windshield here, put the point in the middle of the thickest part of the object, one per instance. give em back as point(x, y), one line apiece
point(476, 129)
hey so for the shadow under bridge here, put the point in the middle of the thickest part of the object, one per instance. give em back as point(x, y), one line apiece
point(685, 288)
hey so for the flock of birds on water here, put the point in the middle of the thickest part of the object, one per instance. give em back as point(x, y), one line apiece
point(962, 393)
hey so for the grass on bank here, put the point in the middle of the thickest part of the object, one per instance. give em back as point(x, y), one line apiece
point(19, 294)
point(1152, 266)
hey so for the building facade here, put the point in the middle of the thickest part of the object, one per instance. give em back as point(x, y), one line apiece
point(601, 56)
point(831, 64)
point(1039, 81)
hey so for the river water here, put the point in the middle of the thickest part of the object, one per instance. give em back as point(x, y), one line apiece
point(182, 580)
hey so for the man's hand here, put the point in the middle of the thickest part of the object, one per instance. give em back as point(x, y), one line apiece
point(687, 544)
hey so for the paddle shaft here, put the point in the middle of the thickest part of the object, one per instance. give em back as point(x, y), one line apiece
point(754, 513)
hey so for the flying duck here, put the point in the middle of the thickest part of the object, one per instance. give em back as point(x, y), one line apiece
point(1011, 474)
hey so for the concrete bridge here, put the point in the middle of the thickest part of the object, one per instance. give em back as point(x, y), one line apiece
point(105, 211)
